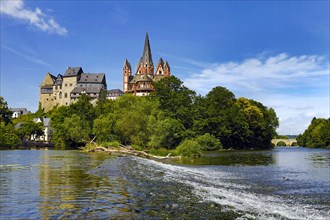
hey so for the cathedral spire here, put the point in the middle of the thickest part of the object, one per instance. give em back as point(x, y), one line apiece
point(146, 57)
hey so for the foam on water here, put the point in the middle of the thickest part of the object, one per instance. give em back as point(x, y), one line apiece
point(220, 187)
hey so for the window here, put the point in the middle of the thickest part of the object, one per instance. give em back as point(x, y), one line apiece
point(60, 96)
point(65, 85)
point(70, 84)
point(65, 95)
point(60, 86)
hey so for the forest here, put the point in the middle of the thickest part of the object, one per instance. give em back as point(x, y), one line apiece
point(173, 117)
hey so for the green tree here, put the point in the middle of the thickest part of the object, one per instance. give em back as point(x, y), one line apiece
point(8, 136)
point(167, 133)
point(103, 128)
point(175, 99)
point(29, 129)
point(5, 113)
point(209, 142)
point(77, 128)
point(317, 135)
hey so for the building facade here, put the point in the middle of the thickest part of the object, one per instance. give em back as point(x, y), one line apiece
point(66, 89)
point(146, 74)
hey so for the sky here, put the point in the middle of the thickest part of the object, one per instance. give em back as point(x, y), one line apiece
point(275, 52)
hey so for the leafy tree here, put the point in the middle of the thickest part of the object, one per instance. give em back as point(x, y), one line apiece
point(29, 129)
point(317, 135)
point(175, 99)
point(209, 142)
point(167, 133)
point(103, 128)
point(8, 136)
point(189, 148)
point(77, 128)
point(5, 113)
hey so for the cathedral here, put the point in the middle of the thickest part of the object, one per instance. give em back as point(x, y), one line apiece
point(141, 83)
point(65, 89)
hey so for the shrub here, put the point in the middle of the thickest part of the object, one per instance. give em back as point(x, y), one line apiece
point(189, 148)
point(209, 142)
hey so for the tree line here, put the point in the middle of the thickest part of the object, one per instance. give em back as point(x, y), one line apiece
point(173, 117)
point(317, 135)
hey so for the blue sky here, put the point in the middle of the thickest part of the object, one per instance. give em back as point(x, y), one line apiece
point(276, 52)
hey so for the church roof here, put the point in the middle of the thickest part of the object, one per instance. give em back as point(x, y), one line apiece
point(127, 64)
point(160, 63)
point(141, 78)
point(146, 55)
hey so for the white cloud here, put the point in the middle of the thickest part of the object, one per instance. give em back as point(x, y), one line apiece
point(297, 87)
point(36, 18)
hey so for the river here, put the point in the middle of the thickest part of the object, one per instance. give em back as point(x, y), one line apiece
point(283, 183)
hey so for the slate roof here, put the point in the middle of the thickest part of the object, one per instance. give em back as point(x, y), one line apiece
point(115, 91)
point(87, 90)
point(141, 78)
point(73, 71)
point(127, 64)
point(59, 80)
point(92, 78)
point(23, 110)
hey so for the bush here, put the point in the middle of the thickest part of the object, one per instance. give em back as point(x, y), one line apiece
point(209, 142)
point(189, 148)
point(162, 152)
point(111, 144)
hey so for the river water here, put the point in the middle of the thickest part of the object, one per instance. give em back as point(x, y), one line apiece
point(284, 183)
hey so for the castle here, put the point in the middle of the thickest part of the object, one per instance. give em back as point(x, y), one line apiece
point(65, 89)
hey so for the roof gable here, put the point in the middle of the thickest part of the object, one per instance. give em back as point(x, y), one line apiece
point(73, 71)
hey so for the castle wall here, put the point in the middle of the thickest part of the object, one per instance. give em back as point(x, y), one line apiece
point(69, 83)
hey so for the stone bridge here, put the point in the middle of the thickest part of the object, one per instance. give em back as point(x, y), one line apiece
point(288, 142)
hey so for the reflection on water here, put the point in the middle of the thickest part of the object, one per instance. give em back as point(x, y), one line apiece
point(284, 183)
point(249, 158)
point(55, 184)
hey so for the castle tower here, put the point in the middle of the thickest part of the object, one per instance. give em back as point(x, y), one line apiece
point(146, 65)
point(127, 72)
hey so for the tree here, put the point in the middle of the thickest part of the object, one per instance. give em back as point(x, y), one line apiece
point(167, 133)
point(30, 129)
point(103, 128)
point(5, 113)
point(317, 135)
point(8, 136)
point(175, 99)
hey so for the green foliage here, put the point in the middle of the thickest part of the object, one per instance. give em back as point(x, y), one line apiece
point(189, 148)
point(281, 137)
point(8, 136)
point(317, 135)
point(166, 118)
point(162, 152)
point(30, 128)
point(175, 99)
point(166, 133)
point(209, 142)
point(5, 113)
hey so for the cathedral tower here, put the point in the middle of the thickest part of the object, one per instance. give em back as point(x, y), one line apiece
point(127, 74)
point(145, 64)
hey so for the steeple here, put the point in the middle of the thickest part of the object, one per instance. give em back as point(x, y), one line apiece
point(146, 57)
